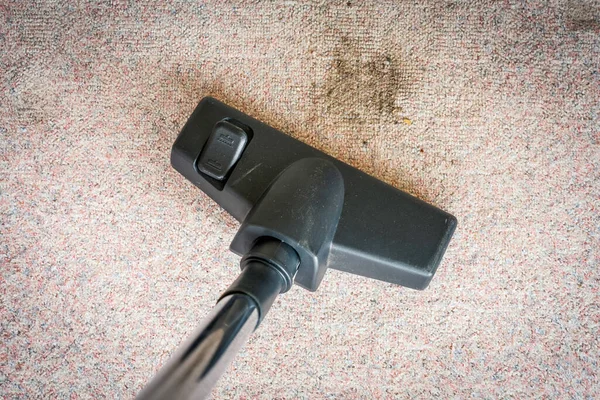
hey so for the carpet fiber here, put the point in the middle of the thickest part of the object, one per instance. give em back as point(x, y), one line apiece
point(109, 258)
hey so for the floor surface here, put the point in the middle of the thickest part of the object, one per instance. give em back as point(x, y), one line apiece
point(109, 258)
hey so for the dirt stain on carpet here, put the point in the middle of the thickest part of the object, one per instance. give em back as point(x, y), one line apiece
point(365, 84)
point(591, 25)
point(582, 16)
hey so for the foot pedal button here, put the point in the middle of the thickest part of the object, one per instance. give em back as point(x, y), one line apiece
point(222, 150)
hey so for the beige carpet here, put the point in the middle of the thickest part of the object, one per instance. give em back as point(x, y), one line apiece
point(109, 258)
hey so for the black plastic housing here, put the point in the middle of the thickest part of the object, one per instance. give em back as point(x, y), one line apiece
point(382, 232)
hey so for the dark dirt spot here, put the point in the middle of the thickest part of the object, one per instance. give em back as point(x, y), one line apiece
point(366, 84)
point(582, 16)
point(584, 25)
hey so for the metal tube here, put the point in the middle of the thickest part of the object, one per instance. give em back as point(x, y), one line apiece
point(267, 270)
point(196, 366)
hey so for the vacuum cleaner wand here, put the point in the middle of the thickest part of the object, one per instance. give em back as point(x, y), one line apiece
point(302, 212)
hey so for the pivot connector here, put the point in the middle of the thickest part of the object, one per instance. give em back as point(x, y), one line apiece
point(268, 269)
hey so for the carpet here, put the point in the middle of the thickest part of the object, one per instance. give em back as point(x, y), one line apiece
point(109, 258)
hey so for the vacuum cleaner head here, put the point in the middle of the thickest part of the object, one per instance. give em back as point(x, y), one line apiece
point(331, 214)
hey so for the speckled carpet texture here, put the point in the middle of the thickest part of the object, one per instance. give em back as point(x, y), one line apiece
point(110, 258)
